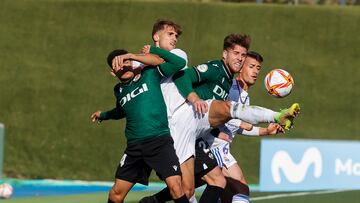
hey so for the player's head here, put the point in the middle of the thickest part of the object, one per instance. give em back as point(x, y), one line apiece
point(250, 69)
point(126, 73)
point(234, 51)
point(165, 34)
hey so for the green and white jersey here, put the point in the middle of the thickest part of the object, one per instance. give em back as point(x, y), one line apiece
point(142, 103)
point(211, 80)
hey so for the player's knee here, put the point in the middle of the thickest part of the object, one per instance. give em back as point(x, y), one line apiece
point(176, 191)
point(116, 196)
point(174, 185)
point(189, 192)
point(220, 181)
point(216, 178)
point(219, 113)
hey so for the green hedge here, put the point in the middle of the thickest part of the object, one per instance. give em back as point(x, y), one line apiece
point(54, 75)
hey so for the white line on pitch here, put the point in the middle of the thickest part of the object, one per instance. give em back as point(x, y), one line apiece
point(294, 194)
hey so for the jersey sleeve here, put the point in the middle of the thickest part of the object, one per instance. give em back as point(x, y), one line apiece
point(206, 72)
point(173, 63)
point(185, 79)
point(115, 113)
point(182, 54)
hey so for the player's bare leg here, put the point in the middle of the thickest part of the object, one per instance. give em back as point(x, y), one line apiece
point(119, 191)
point(215, 186)
point(188, 182)
point(236, 189)
point(174, 185)
point(235, 172)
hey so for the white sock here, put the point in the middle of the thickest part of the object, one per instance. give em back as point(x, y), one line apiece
point(193, 199)
point(251, 114)
point(240, 198)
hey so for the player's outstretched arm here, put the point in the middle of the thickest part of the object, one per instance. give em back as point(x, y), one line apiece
point(200, 105)
point(272, 129)
point(148, 59)
point(173, 63)
point(184, 80)
point(114, 114)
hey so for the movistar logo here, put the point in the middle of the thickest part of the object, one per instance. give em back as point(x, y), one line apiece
point(295, 173)
point(137, 91)
point(220, 92)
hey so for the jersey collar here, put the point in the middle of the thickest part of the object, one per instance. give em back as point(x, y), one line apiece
point(228, 73)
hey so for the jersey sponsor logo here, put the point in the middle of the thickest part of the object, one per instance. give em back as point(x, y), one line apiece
point(202, 68)
point(295, 173)
point(136, 92)
point(220, 92)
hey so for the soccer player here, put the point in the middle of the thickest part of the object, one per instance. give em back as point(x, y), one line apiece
point(218, 140)
point(139, 99)
point(165, 35)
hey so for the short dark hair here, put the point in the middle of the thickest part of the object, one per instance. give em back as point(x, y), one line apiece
point(237, 39)
point(160, 24)
point(255, 55)
point(113, 54)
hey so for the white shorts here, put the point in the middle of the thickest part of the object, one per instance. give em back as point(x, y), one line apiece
point(203, 125)
point(221, 151)
point(182, 128)
point(184, 125)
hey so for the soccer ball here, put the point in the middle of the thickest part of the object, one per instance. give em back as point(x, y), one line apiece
point(6, 190)
point(279, 83)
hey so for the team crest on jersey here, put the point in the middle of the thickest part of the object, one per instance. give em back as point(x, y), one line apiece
point(211, 156)
point(202, 68)
point(175, 167)
point(120, 89)
point(137, 77)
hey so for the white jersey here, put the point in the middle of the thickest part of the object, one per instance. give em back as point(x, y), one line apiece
point(239, 95)
point(173, 98)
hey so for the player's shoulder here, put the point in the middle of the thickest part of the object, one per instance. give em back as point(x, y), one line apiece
point(210, 66)
point(215, 63)
point(117, 88)
point(179, 52)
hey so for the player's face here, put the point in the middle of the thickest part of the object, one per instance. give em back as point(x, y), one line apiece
point(166, 38)
point(249, 71)
point(234, 58)
point(126, 72)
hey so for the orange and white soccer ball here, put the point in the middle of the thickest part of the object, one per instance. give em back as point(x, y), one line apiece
point(6, 190)
point(279, 83)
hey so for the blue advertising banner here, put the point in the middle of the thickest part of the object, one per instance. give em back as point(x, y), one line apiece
point(298, 165)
